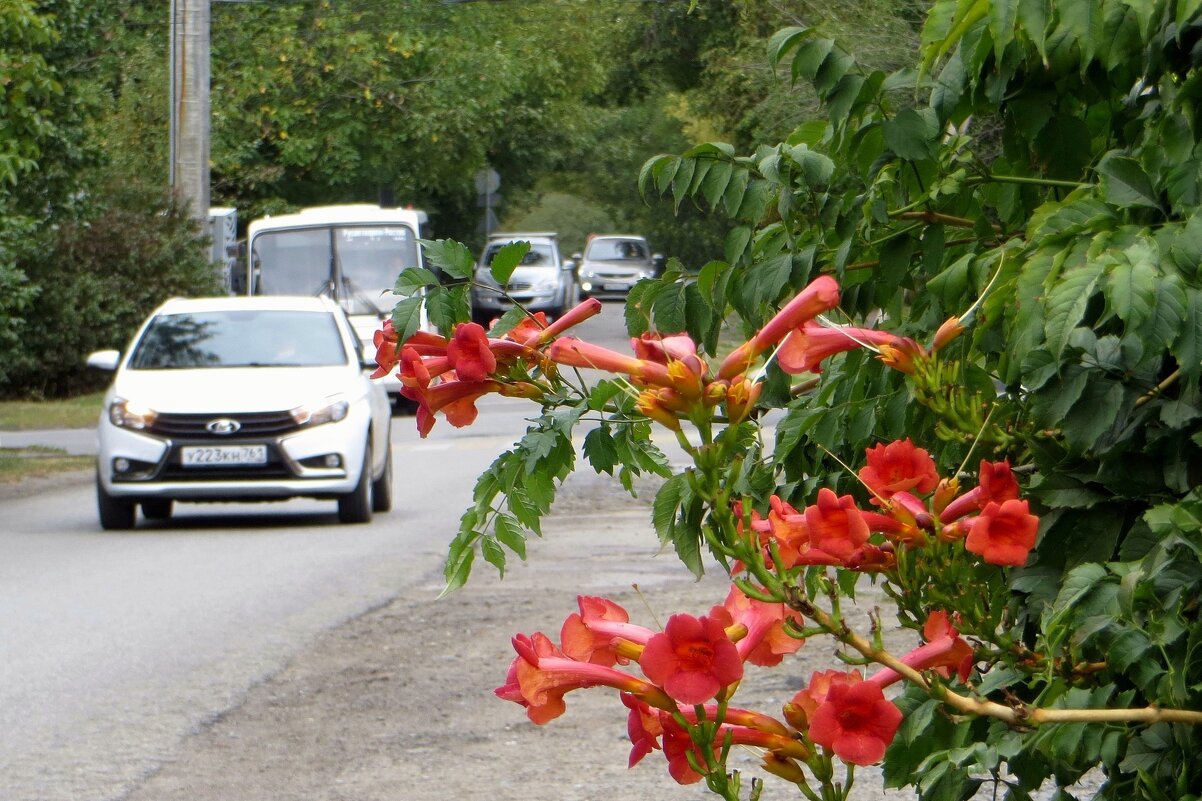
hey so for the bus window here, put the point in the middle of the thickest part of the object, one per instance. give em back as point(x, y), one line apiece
point(295, 262)
point(371, 257)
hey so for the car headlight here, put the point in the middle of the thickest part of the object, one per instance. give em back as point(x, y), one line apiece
point(127, 414)
point(329, 410)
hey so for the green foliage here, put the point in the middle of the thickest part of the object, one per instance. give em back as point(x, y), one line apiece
point(1032, 176)
point(109, 268)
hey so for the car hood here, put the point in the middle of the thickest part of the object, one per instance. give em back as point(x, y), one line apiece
point(522, 275)
point(233, 389)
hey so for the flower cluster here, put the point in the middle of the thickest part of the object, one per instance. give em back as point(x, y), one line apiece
point(911, 504)
point(676, 383)
point(449, 375)
point(691, 669)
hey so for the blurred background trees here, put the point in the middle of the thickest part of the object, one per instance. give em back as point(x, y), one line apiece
point(327, 101)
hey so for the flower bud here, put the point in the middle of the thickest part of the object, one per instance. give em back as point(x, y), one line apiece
point(947, 332)
point(948, 489)
point(796, 716)
point(649, 405)
point(741, 399)
point(901, 354)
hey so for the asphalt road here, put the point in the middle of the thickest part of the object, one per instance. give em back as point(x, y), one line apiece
point(114, 646)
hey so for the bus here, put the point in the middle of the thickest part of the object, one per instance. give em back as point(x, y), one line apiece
point(351, 253)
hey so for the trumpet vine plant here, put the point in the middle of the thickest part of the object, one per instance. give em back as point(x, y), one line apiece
point(969, 299)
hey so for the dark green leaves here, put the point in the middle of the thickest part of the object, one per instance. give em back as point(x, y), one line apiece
point(452, 257)
point(1124, 182)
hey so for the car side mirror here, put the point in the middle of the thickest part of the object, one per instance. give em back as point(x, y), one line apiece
point(106, 360)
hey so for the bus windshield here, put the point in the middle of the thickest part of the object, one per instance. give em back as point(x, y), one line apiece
point(355, 264)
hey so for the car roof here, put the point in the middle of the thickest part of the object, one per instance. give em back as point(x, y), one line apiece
point(618, 236)
point(248, 303)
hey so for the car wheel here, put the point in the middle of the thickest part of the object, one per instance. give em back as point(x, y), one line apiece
point(355, 506)
point(381, 488)
point(157, 509)
point(116, 514)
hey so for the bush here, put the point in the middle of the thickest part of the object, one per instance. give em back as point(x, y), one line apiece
point(93, 279)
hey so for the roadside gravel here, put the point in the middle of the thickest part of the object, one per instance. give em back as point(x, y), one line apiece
point(398, 703)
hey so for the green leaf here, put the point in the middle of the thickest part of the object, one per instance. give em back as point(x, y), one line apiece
point(713, 187)
point(1093, 414)
point(509, 533)
point(459, 561)
point(785, 40)
point(908, 136)
point(1077, 584)
point(767, 279)
point(600, 450)
point(1066, 305)
point(1124, 182)
point(414, 279)
point(452, 257)
point(1187, 347)
point(736, 243)
point(507, 322)
point(506, 260)
point(1083, 21)
point(667, 501)
point(809, 58)
point(1003, 14)
point(493, 553)
point(448, 306)
point(407, 317)
point(1033, 17)
point(669, 309)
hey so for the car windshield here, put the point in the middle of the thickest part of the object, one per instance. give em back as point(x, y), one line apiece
point(239, 338)
point(539, 255)
point(616, 250)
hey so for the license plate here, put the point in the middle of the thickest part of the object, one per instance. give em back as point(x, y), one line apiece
point(221, 455)
point(614, 287)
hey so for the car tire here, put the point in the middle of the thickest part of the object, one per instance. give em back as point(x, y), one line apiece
point(116, 514)
point(355, 506)
point(381, 488)
point(157, 509)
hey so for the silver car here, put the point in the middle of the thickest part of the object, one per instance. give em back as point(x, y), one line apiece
point(613, 263)
point(242, 399)
point(544, 281)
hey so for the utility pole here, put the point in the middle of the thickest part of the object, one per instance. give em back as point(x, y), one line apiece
point(189, 170)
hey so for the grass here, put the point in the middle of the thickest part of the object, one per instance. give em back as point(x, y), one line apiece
point(32, 462)
point(80, 412)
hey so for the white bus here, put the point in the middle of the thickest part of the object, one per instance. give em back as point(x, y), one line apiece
point(350, 253)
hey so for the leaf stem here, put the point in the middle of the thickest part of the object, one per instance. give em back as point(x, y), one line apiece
point(1021, 179)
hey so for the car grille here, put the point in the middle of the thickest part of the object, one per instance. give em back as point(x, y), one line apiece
point(193, 426)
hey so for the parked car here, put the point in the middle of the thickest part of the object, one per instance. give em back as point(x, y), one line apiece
point(611, 264)
point(242, 399)
point(544, 281)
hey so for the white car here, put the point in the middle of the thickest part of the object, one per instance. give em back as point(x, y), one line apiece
point(242, 399)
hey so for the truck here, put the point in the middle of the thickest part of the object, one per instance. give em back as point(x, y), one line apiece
point(351, 253)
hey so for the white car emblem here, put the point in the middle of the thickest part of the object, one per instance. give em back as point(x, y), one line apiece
point(223, 425)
